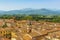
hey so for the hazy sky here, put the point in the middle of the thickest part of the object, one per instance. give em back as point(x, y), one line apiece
point(35, 4)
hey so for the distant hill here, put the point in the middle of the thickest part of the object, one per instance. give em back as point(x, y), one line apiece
point(32, 11)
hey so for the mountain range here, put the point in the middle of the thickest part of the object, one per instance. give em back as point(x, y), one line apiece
point(27, 11)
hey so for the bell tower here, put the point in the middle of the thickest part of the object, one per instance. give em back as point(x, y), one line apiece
point(29, 27)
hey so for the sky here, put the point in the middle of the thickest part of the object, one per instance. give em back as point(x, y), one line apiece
point(34, 4)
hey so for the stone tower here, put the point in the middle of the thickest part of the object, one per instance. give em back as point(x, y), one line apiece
point(29, 27)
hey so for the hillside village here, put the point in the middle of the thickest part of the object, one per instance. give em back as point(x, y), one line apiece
point(11, 29)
